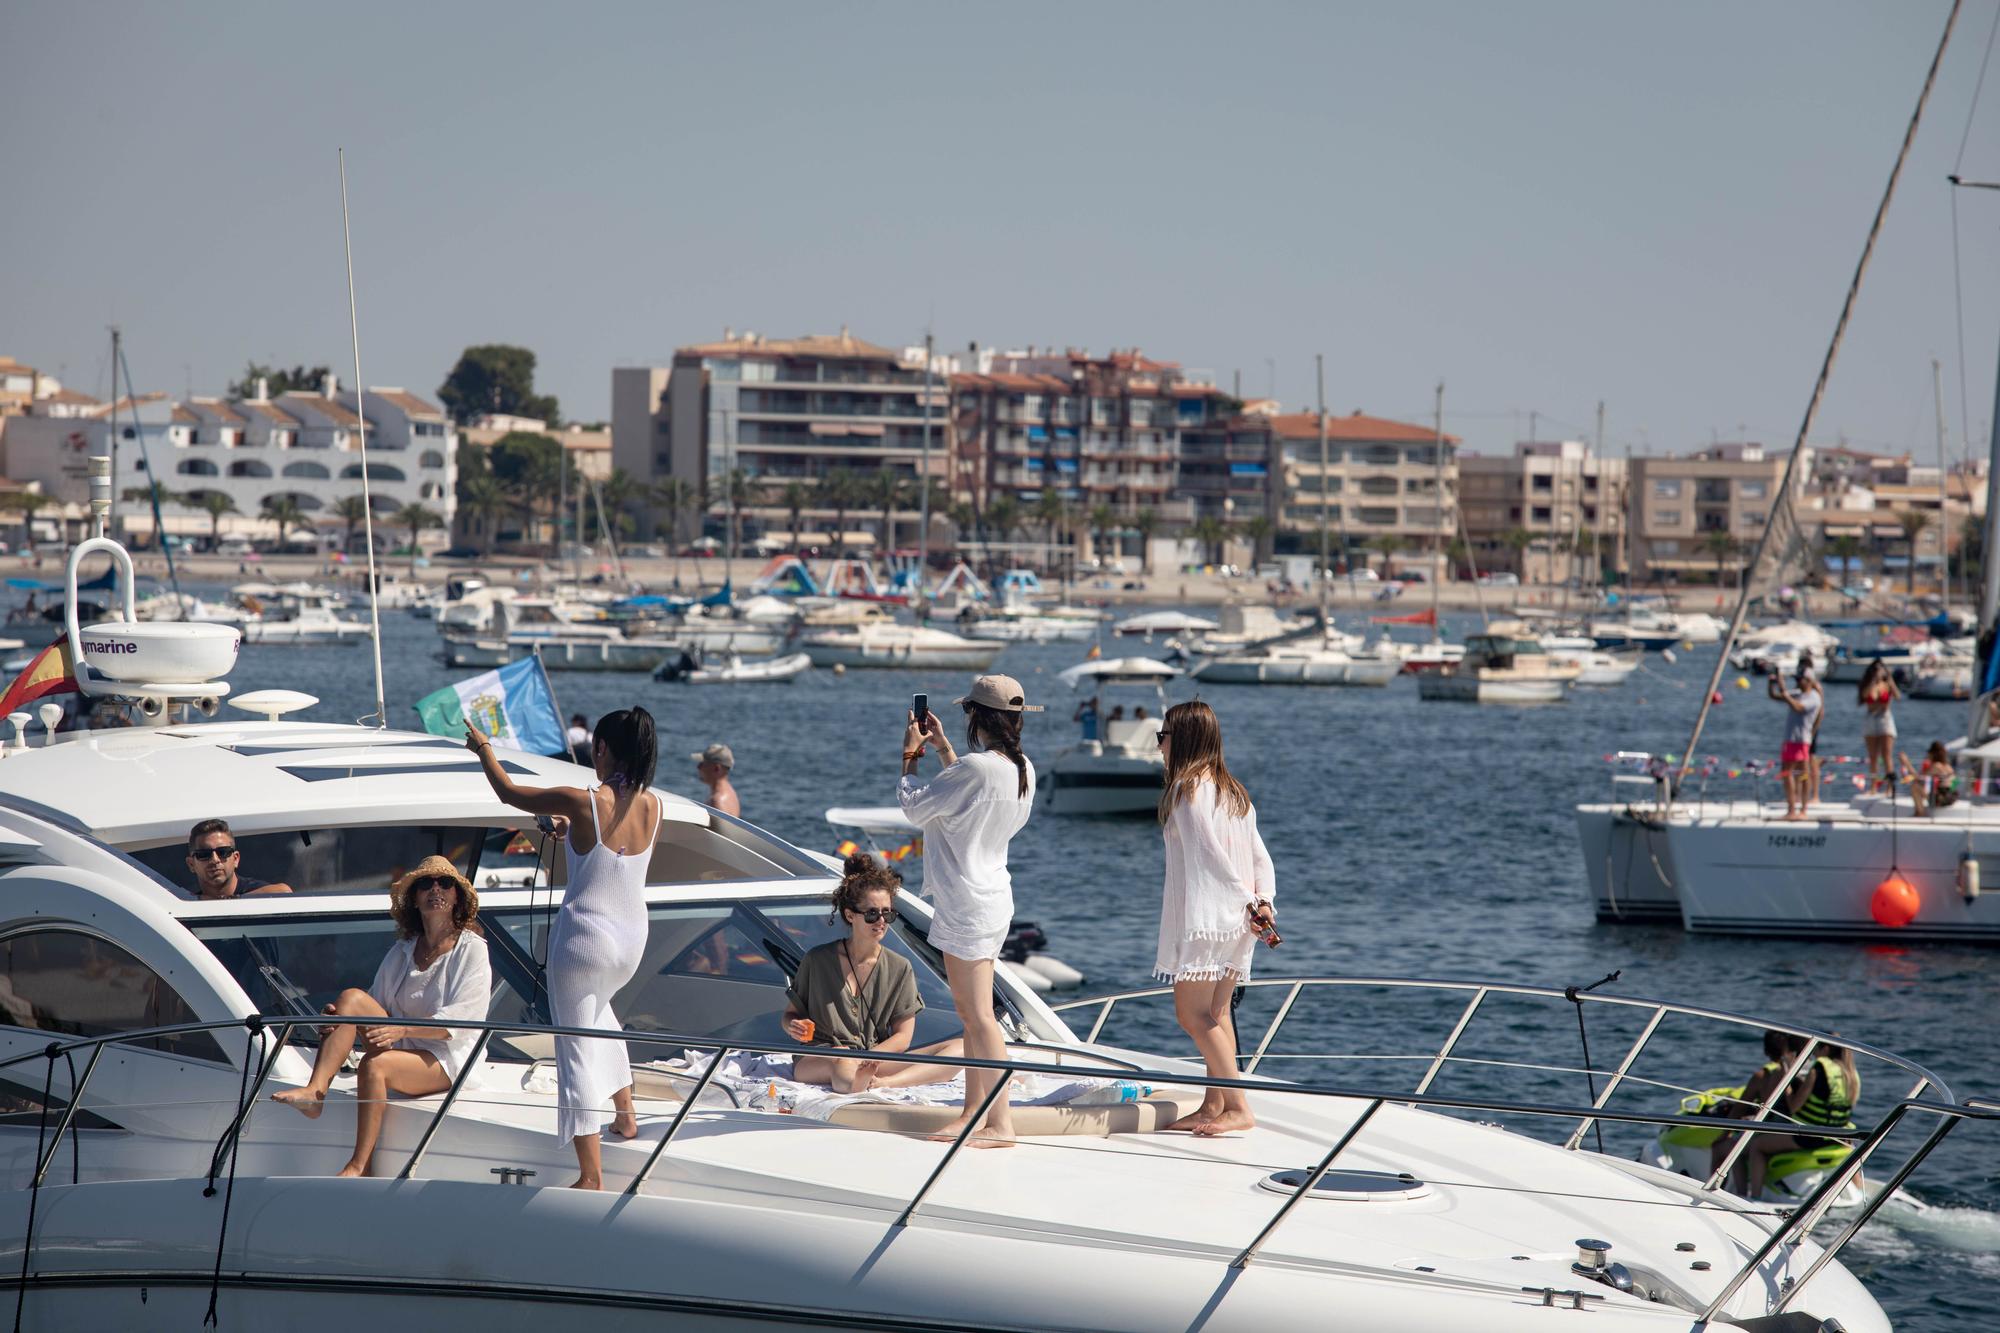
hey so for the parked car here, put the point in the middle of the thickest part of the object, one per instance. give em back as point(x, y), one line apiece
point(1502, 579)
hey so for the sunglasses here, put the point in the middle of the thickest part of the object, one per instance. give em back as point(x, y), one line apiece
point(876, 915)
point(429, 882)
point(211, 853)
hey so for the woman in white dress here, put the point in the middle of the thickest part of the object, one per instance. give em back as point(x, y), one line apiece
point(436, 970)
point(600, 934)
point(1216, 904)
point(969, 813)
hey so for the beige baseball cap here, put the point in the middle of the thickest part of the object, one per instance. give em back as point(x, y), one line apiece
point(716, 754)
point(1001, 693)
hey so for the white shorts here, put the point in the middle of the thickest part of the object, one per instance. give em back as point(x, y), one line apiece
point(1884, 725)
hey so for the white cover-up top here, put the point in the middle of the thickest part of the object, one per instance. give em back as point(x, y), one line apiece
point(969, 813)
point(1216, 867)
point(459, 984)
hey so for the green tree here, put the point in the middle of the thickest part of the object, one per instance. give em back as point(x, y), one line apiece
point(739, 492)
point(1385, 546)
point(1103, 520)
point(495, 377)
point(887, 489)
point(217, 504)
point(146, 495)
point(27, 504)
point(1456, 552)
point(964, 518)
point(284, 511)
point(352, 511)
point(620, 493)
point(839, 490)
point(794, 496)
point(1722, 546)
point(1971, 546)
point(481, 503)
point(1211, 532)
point(278, 380)
point(529, 468)
point(1912, 522)
point(1003, 516)
point(1517, 541)
point(1052, 512)
point(1847, 550)
point(416, 518)
point(1258, 529)
point(1146, 522)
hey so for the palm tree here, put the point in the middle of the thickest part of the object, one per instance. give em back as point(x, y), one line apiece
point(353, 511)
point(1052, 512)
point(1971, 546)
point(620, 493)
point(1846, 550)
point(1912, 522)
point(1103, 519)
point(1257, 528)
point(216, 503)
point(1146, 522)
point(416, 518)
point(1385, 546)
point(284, 511)
point(1518, 540)
point(839, 490)
point(1211, 532)
point(964, 517)
point(150, 495)
point(482, 501)
point(1720, 545)
point(886, 488)
point(795, 497)
point(1003, 515)
point(26, 504)
point(738, 491)
point(1456, 552)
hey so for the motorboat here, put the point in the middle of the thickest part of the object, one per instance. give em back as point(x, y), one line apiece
point(1943, 676)
point(1020, 623)
point(1783, 642)
point(733, 670)
point(303, 620)
point(1504, 665)
point(1300, 662)
point(1904, 659)
point(138, 1053)
point(893, 840)
point(1595, 666)
point(1651, 632)
point(1419, 658)
point(894, 645)
point(1151, 624)
point(1118, 771)
point(1244, 626)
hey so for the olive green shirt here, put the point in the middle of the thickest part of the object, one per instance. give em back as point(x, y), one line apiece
point(840, 1017)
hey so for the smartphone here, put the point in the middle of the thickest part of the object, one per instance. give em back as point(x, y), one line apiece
point(920, 704)
point(545, 823)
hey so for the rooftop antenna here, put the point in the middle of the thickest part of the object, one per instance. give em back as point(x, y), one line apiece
point(381, 714)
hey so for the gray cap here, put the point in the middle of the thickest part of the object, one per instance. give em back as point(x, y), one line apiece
point(1001, 693)
point(716, 754)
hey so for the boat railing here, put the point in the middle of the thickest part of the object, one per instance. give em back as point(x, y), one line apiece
point(269, 1036)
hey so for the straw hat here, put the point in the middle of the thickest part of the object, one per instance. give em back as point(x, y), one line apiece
point(441, 868)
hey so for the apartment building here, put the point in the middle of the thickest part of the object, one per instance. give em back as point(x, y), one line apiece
point(1549, 511)
point(1383, 482)
point(1679, 509)
point(1859, 501)
point(1096, 430)
point(782, 411)
point(302, 445)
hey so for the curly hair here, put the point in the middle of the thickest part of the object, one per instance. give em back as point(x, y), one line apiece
point(410, 922)
point(860, 876)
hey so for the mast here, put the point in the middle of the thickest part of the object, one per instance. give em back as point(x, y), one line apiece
point(1784, 496)
point(562, 505)
point(924, 483)
point(1944, 493)
point(111, 515)
point(381, 714)
point(1437, 536)
point(1597, 528)
point(1325, 565)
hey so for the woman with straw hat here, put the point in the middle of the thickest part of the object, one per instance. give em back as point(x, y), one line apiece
point(969, 813)
point(436, 971)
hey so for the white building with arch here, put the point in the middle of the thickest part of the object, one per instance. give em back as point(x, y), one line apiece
point(301, 445)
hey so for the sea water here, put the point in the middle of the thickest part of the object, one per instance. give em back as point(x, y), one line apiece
point(1411, 839)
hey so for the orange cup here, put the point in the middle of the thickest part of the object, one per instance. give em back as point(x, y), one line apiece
point(808, 1025)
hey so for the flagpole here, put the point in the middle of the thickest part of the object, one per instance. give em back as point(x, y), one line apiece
point(381, 713)
point(562, 718)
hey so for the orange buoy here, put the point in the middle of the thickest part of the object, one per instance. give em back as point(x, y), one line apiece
point(1895, 902)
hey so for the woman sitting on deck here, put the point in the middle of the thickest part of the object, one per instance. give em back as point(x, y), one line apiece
point(854, 995)
point(436, 969)
point(1934, 783)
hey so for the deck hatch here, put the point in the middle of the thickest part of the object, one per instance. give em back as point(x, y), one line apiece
point(1350, 1186)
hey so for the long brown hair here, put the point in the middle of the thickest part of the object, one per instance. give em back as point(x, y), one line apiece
point(998, 729)
point(1196, 754)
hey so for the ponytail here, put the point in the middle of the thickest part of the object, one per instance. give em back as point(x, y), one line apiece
point(998, 730)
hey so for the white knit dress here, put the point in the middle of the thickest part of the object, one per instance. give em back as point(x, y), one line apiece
point(1216, 867)
point(594, 950)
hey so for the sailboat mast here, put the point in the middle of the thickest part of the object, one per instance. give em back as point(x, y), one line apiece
point(1325, 564)
point(1944, 491)
point(1437, 490)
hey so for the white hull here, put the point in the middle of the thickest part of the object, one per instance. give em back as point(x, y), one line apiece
point(1755, 874)
point(285, 632)
point(1598, 668)
point(1466, 687)
point(1086, 780)
point(1627, 865)
point(776, 671)
point(1297, 669)
point(901, 647)
point(1032, 629)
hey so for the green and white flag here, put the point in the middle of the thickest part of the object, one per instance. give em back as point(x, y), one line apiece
point(513, 705)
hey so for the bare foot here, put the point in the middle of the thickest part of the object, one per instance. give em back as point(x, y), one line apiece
point(1229, 1122)
point(305, 1101)
point(949, 1132)
point(1193, 1121)
point(350, 1172)
point(625, 1125)
point(991, 1138)
point(587, 1183)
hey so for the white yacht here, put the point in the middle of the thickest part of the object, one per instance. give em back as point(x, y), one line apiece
point(897, 645)
point(1119, 771)
point(1327, 661)
point(1781, 643)
point(302, 620)
point(1501, 666)
point(1150, 623)
point(143, 1029)
point(1594, 666)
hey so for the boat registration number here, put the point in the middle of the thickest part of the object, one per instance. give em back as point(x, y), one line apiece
point(1797, 839)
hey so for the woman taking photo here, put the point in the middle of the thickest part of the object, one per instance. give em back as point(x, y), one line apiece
point(1878, 729)
point(969, 813)
point(598, 937)
point(437, 970)
point(1216, 904)
point(853, 995)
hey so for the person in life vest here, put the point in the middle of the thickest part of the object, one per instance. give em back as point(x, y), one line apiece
point(1824, 1093)
point(1780, 1048)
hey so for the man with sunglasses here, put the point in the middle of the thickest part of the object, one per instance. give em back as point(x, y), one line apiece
point(214, 862)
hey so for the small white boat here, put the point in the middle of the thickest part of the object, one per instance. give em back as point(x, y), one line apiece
point(1946, 676)
point(1250, 626)
point(893, 645)
point(1757, 651)
point(1300, 662)
point(1502, 666)
point(733, 670)
point(1120, 771)
point(1418, 658)
point(1024, 624)
point(1164, 622)
point(301, 622)
point(1595, 666)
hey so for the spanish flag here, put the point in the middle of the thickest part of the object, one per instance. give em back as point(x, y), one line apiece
point(52, 672)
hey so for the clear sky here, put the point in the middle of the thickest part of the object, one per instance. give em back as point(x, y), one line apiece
point(1543, 204)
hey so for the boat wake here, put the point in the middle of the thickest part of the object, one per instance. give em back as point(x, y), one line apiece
point(1908, 1224)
